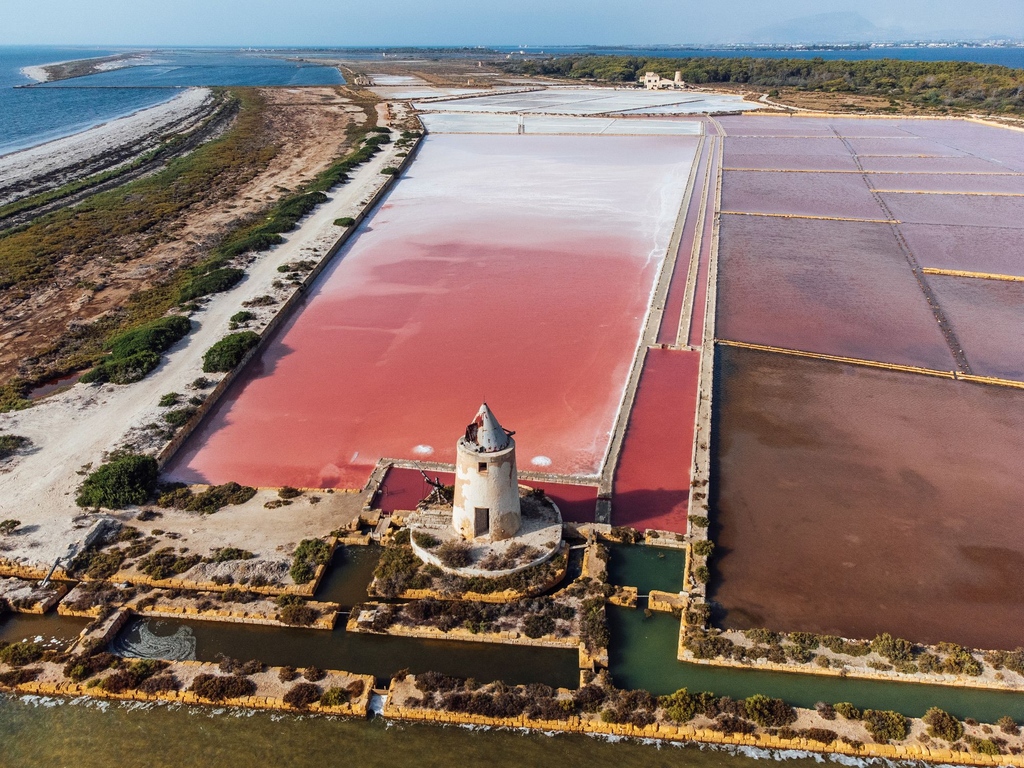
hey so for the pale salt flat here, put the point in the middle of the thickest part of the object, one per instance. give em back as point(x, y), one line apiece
point(593, 101)
point(382, 79)
point(442, 122)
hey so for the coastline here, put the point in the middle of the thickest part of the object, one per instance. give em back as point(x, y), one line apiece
point(22, 169)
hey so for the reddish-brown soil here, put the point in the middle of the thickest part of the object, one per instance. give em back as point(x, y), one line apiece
point(854, 501)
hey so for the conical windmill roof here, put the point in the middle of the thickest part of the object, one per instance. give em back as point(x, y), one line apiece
point(486, 433)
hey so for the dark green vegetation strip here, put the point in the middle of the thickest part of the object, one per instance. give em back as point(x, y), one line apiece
point(29, 256)
point(135, 353)
point(959, 85)
point(125, 480)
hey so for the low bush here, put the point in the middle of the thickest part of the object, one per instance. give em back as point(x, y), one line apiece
point(241, 318)
point(18, 676)
point(208, 501)
point(847, 710)
point(344, 221)
point(135, 353)
point(307, 556)
point(159, 684)
point(20, 654)
point(11, 444)
point(983, 746)
point(703, 548)
point(178, 417)
point(165, 564)
point(702, 574)
point(7, 527)
point(594, 625)
point(301, 695)
point(81, 667)
point(287, 674)
point(171, 398)
point(1008, 725)
point(699, 521)
point(885, 725)
point(228, 554)
point(214, 281)
point(221, 687)
point(679, 707)
point(287, 492)
point(296, 611)
point(314, 674)
point(227, 353)
point(959, 661)
point(768, 712)
point(334, 697)
point(455, 553)
point(126, 480)
point(425, 540)
point(942, 725)
point(892, 648)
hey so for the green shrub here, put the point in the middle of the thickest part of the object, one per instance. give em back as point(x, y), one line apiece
point(171, 398)
point(208, 501)
point(240, 318)
point(296, 611)
point(885, 725)
point(702, 574)
point(229, 554)
point(959, 661)
point(942, 725)
point(389, 170)
point(334, 697)
point(157, 336)
point(122, 371)
point(20, 654)
point(893, 648)
point(179, 416)
point(425, 540)
point(699, 521)
point(287, 492)
point(7, 527)
point(768, 712)
point(129, 479)
point(703, 548)
point(307, 556)
point(165, 564)
point(1008, 725)
point(847, 710)
point(214, 281)
point(11, 444)
point(983, 746)
point(679, 707)
point(344, 221)
point(229, 351)
point(17, 677)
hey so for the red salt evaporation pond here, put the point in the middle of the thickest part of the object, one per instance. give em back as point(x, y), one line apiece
point(948, 182)
point(906, 146)
point(988, 319)
point(972, 210)
point(512, 269)
point(800, 146)
point(783, 162)
point(840, 195)
point(1000, 145)
point(752, 124)
point(833, 287)
point(995, 250)
point(403, 489)
point(930, 165)
point(652, 480)
point(853, 501)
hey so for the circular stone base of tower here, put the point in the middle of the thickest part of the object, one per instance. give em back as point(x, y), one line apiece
point(539, 539)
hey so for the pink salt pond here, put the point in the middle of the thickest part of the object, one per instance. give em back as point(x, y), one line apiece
point(516, 269)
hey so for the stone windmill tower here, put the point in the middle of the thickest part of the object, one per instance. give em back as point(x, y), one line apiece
point(486, 481)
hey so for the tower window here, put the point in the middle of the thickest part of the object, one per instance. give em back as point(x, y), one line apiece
point(481, 467)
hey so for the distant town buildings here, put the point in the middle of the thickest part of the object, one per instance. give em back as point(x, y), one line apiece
point(655, 82)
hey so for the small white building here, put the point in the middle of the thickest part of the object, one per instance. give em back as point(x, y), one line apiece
point(486, 499)
point(655, 82)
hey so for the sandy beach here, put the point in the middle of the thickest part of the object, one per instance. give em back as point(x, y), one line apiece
point(29, 170)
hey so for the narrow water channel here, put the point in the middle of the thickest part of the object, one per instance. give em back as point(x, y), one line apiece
point(643, 655)
point(646, 568)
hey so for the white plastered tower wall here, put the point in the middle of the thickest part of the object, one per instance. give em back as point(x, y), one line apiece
point(486, 481)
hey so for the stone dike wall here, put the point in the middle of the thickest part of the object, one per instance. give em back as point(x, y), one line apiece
point(462, 634)
point(268, 696)
point(671, 732)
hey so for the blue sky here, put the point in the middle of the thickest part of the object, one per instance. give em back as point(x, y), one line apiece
point(474, 22)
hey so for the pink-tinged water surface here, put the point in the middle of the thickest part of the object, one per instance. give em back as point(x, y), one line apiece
point(988, 319)
point(994, 250)
point(832, 287)
point(511, 269)
point(671, 317)
point(402, 489)
point(979, 183)
point(789, 162)
point(971, 210)
point(785, 145)
point(930, 165)
point(907, 146)
point(1003, 146)
point(853, 501)
point(841, 195)
point(770, 125)
point(652, 479)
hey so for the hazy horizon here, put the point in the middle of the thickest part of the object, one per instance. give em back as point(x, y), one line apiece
point(308, 23)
